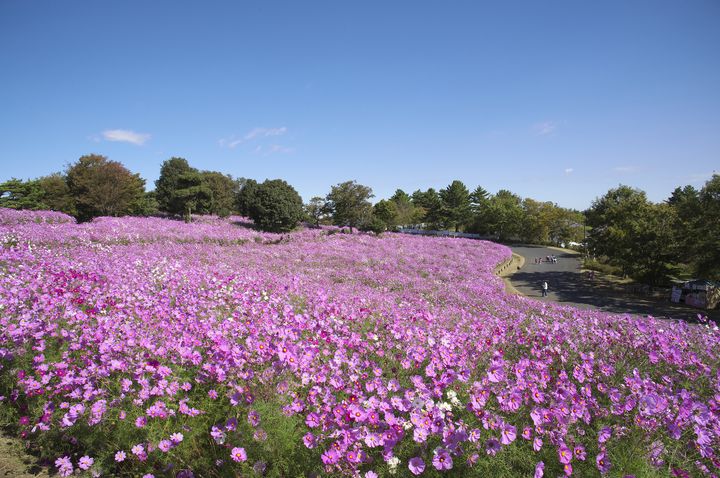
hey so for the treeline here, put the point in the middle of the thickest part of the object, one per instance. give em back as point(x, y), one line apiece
point(652, 242)
point(96, 186)
point(648, 241)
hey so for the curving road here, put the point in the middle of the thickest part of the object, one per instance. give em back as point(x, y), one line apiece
point(567, 285)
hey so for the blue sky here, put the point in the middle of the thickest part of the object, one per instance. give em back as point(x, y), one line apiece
point(558, 101)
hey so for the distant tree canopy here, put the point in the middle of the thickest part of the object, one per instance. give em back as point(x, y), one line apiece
point(455, 205)
point(223, 191)
point(167, 184)
point(316, 210)
point(103, 188)
point(245, 195)
point(643, 239)
point(654, 241)
point(349, 204)
point(276, 206)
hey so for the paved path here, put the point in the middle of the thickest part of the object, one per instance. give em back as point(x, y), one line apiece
point(568, 286)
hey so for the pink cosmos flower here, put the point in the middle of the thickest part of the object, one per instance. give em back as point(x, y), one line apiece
point(603, 464)
point(120, 456)
point(579, 452)
point(492, 446)
point(64, 466)
point(565, 454)
point(442, 460)
point(508, 434)
point(539, 469)
point(85, 462)
point(416, 465)
point(165, 445)
point(238, 454)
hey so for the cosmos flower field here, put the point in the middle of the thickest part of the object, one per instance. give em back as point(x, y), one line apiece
point(148, 347)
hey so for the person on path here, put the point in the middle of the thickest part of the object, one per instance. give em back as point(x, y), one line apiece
point(544, 288)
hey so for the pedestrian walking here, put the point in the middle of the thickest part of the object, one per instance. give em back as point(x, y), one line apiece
point(544, 288)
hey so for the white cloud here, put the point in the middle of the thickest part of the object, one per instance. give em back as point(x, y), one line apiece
point(544, 128)
point(569, 170)
point(125, 136)
point(255, 133)
point(277, 148)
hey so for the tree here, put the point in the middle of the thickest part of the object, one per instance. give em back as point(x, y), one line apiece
point(706, 235)
point(166, 185)
point(223, 193)
point(505, 215)
point(56, 194)
point(632, 233)
point(316, 210)
point(245, 195)
point(385, 213)
point(431, 205)
point(479, 200)
point(102, 187)
point(277, 207)
point(190, 194)
point(407, 213)
point(349, 204)
point(685, 203)
point(456, 205)
point(18, 194)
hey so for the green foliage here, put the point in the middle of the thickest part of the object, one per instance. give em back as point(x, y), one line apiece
point(102, 187)
point(245, 195)
point(455, 209)
point(431, 206)
point(56, 194)
point(316, 210)
point(191, 194)
point(505, 215)
point(600, 266)
point(349, 204)
point(19, 194)
point(276, 207)
point(407, 214)
point(385, 216)
point(633, 233)
point(167, 183)
point(706, 231)
point(222, 187)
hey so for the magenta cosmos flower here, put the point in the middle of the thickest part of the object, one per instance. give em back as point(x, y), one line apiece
point(238, 454)
point(442, 460)
point(416, 465)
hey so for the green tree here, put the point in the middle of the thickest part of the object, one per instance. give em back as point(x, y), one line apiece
point(385, 212)
point(706, 233)
point(18, 194)
point(277, 207)
point(316, 210)
point(102, 187)
point(632, 233)
point(505, 215)
point(431, 206)
point(537, 218)
point(685, 203)
point(407, 213)
point(349, 203)
point(191, 194)
point(56, 194)
point(166, 185)
point(223, 193)
point(456, 210)
point(245, 195)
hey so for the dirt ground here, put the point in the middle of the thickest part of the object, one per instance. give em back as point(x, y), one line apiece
point(16, 463)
